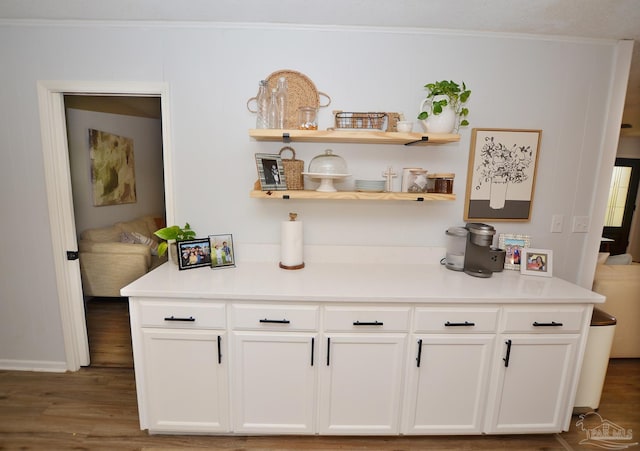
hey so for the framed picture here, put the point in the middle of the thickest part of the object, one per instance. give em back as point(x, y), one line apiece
point(271, 172)
point(194, 253)
point(537, 262)
point(513, 246)
point(501, 176)
point(222, 253)
point(113, 179)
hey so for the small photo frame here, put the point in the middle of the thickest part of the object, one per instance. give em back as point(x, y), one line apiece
point(537, 262)
point(222, 252)
point(513, 246)
point(194, 253)
point(271, 172)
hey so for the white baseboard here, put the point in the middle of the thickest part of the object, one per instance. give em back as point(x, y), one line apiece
point(33, 365)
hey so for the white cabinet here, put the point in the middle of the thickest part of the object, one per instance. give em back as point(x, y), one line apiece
point(448, 376)
point(274, 368)
point(186, 380)
point(362, 372)
point(535, 369)
point(181, 366)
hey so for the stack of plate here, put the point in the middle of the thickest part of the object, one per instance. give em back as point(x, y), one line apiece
point(373, 186)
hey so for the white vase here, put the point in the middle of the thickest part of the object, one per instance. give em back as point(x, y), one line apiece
point(444, 122)
point(173, 252)
point(498, 195)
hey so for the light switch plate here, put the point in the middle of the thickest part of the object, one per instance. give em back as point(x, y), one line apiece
point(580, 224)
point(556, 223)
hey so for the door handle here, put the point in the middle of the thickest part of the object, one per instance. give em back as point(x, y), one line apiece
point(219, 349)
point(508, 356)
point(419, 358)
point(328, 350)
point(312, 348)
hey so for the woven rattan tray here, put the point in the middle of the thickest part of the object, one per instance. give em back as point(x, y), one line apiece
point(301, 92)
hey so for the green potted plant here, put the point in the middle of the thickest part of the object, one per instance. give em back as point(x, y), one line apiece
point(444, 110)
point(172, 234)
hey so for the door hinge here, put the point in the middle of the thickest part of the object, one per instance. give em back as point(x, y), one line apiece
point(72, 255)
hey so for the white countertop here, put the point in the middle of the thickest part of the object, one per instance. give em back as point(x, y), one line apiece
point(354, 282)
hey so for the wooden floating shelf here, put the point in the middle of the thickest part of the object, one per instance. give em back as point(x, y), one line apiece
point(349, 136)
point(350, 195)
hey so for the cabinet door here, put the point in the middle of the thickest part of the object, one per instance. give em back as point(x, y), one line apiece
point(534, 377)
point(186, 380)
point(361, 381)
point(448, 384)
point(274, 381)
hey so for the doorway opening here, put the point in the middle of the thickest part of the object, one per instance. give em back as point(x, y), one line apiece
point(621, 206)
point(60, 200)
point(134, 127)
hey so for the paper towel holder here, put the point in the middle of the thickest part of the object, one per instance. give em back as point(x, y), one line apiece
point(292, 217)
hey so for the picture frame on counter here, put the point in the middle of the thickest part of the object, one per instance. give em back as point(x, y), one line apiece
point(537, 262)
point(271, 172)
point(222, 252)
point(501, 175)
point(194, 253)
point(513, 244)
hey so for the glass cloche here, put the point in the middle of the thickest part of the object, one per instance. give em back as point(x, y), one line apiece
point(327, 167)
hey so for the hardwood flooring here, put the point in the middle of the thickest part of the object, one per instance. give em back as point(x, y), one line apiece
point(109, 332)
point(96, 409)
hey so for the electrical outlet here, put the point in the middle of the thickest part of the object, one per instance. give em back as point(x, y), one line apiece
point(580, 224)
point(556, 223)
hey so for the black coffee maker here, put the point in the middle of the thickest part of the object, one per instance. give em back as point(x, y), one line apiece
point(480, 259)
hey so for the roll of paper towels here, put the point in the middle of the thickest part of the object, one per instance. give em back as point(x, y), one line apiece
point(291, 245)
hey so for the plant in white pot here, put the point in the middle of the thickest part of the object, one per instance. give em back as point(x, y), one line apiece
point(444, 110)
point(171, 235)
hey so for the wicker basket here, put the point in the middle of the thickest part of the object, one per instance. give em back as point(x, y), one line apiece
point(293, 170)
point(360, 121)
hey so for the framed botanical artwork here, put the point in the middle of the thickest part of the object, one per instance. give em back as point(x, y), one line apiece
point(222, 253)
point(537, 262)
point(194, 253)
point(271, 172)
point(513, 246)
point(501, 176)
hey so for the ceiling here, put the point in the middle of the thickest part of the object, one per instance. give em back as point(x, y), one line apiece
point(601, 19)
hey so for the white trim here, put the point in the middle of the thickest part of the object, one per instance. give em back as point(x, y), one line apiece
point(33, 365)
point(60, 200)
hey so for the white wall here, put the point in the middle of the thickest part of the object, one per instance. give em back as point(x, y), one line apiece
point(147, 153)
point(559, 86)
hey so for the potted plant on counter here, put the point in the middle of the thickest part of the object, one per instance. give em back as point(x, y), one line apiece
point(171, 235)
point(444, 110)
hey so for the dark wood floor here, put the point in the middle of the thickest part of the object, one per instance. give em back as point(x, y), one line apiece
point(95, 408)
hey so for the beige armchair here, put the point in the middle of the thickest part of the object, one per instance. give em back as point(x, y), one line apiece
point(112, 257)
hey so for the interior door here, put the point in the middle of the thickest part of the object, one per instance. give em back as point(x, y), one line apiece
point(621, 205)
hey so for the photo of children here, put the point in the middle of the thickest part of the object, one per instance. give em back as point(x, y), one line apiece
point(194, 253)
point(537, 262)
point(222, 254)
point(513, 246)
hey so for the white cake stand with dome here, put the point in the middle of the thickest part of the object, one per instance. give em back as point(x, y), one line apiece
point(327, 167)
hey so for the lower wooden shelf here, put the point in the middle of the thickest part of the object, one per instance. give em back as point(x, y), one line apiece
point(350, 195)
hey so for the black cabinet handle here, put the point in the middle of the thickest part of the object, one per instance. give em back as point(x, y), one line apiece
point(419, 358)
point(312, 348)
point(508, 356)
point(173, 318)
point(551, 324)
point(328, 350)
point(466, 323)
point(275, 321)
point(375, 323)
point(219, 349)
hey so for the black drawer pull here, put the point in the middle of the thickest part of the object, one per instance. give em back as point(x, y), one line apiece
point(219, 349)
point(375, 323)
point(419, 358)
point(313, 341)
point(275, 321)
point(508, 356)
point(173, 318)
point(466, 323)
point(551, 324)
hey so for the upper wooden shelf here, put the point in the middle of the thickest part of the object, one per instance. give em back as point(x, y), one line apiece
point(350, 136)
point(350, 195)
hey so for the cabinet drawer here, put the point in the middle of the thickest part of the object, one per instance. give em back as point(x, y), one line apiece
point(543, 320)
point(274, 317)
point(456, 320)
point(178, 314)
point(366, 319)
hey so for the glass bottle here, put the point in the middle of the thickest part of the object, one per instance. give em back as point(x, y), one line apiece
point(282, 99)
point(272, 111)
point(263, 105)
